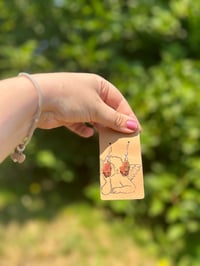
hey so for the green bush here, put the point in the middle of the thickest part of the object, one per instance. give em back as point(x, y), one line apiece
point(150, 51)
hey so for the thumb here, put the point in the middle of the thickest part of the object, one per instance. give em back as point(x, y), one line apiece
point(106, 116)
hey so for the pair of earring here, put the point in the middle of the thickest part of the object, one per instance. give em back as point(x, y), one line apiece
point(124, 168)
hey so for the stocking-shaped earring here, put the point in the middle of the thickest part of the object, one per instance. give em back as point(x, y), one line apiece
point(124, 168)
point(107, 168)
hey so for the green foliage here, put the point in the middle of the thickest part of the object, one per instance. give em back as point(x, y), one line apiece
point(148, 49)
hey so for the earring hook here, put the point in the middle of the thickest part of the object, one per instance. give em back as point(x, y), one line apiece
point(110, 150)
point(126, 153)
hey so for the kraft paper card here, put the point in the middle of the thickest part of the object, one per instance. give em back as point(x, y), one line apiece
point(121, 175)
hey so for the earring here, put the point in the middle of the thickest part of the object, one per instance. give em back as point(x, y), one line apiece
point(107, 168)
point(124, 168)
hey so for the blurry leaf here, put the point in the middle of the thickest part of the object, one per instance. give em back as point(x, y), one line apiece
point(173, 214)
point(156, 208)
point(176, 231)
point(46, 159)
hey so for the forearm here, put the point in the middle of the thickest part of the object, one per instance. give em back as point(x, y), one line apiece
point(18, 104)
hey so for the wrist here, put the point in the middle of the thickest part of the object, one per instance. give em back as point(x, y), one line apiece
point(48, 85)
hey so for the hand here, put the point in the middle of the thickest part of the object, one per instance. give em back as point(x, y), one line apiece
point(71, 99)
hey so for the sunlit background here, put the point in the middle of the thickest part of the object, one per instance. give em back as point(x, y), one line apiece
point(50, 209)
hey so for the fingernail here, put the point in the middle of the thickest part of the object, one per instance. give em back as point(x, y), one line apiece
point(132, 124)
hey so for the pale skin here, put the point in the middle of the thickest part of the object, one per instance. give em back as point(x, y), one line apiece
point(69, 99)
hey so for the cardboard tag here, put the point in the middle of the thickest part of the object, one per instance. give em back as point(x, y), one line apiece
point(121, 175)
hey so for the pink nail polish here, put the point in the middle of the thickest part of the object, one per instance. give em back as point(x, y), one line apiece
point(132, 124)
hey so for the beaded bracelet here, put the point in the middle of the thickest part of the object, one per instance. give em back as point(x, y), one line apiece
point(18, 155)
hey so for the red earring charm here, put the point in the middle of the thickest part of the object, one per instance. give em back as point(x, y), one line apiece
point(125, 167)
point(107, 168)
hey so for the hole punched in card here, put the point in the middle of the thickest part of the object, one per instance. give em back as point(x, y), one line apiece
point(121, 174)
